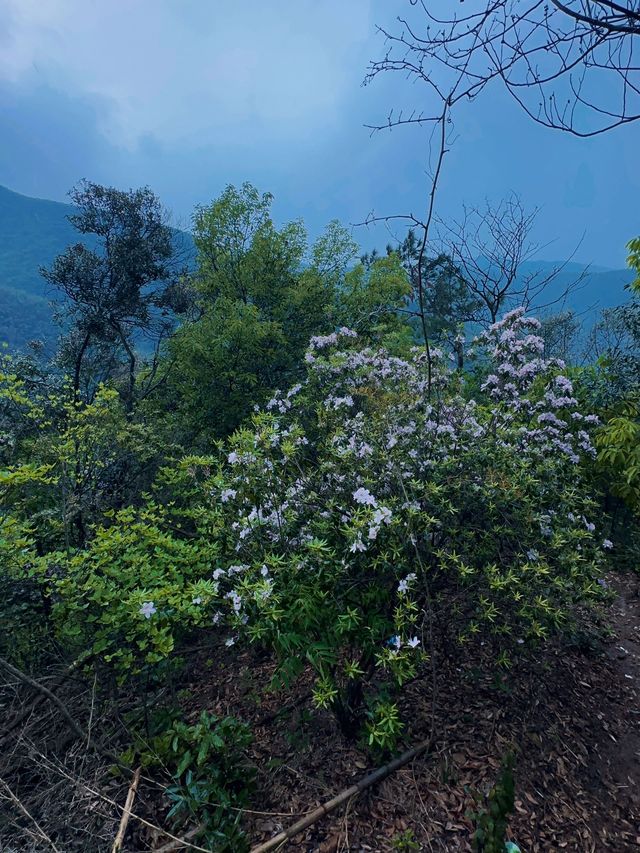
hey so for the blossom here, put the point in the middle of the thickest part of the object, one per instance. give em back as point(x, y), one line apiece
point(394, 641)
point(227, 494)
point(148, 609)
point(403, 586)
point(218, 573)
point(382, 515)
point(413, 642)
point(364, 496)
point(607, 543)
point(264, 571)
point(230, 641)
point(357, 545)
point(197, 600)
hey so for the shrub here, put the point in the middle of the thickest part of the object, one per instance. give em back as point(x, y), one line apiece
point(375, 505)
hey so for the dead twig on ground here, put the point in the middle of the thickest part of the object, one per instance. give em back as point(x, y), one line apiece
point(126, 814)
point(41, 833)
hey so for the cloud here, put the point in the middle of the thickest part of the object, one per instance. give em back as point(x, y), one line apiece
point(178, 69)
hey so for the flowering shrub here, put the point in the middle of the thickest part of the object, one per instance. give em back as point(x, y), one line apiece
point(371, 509)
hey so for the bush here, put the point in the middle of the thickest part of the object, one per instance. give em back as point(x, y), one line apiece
point(375, 506)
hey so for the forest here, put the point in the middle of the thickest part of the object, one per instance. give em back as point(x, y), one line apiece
point(312, 546)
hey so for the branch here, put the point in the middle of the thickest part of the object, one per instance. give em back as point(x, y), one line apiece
point(126, 814)
point(330, 806)
point(44, 691)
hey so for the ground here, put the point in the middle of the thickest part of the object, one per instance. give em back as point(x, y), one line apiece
point(572, 716)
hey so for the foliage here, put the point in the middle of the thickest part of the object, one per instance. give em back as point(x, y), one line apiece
point(67, 461)
point(618, 443)
point(120, 285)
point(262, 292)
point(211, 778)
point(634, 262)
point(492, 821)
point(360, 516)
point(133, 591)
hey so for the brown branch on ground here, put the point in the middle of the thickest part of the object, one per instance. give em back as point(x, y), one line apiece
point(126, 814)
point(326, 808)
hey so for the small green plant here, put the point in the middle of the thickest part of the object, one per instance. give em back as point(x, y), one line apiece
point(383, 727)
point(491, 820)
point(212, 781)
point(405, 841)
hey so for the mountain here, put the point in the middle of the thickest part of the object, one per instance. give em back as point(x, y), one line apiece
point(588, 289)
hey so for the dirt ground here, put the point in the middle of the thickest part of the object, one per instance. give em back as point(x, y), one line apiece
point(572, 717)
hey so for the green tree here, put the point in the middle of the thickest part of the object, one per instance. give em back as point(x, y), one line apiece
point(262, 292)
point(119, 286)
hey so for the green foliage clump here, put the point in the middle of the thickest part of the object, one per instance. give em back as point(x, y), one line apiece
point(212, 781)
point(492, 821)
point(133, 591)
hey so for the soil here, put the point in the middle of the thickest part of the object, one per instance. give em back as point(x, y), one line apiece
point(571, 716)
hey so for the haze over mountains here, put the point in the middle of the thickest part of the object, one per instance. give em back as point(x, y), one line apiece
point(33, 231)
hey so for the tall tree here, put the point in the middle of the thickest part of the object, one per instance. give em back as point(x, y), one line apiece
point(120, 284)
point(262, 292)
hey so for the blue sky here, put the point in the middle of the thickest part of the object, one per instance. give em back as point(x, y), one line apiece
point(189, 95)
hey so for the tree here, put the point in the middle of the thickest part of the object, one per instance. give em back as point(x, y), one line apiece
point(489, 247)
point(447, 300)
point(262, 292)
point(121, 285)
point(568, 64)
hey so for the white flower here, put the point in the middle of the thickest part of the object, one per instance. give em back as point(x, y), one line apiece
point(233, 457)
point(364, 496)
point(218, 573)
point(264, 571)
point(230, 641)
point(382, 515)
point(227, 494)
point(148, 609)
point(197, 600)
point(608, 544)
point(413, 642)
point(358, 545)
point(403, 586)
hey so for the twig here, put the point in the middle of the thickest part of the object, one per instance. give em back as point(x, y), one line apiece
point(179, 843)
point(126, 814)
point(83, 659)
point(44, 691)
point(23, 809)
point(330, 806)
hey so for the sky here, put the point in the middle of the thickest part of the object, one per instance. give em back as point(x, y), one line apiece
point(187, 96)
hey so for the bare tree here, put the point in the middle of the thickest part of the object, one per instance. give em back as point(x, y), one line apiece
point(570, 65)
point(489, 248)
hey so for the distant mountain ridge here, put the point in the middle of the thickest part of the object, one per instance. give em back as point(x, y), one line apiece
point(33, 231)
